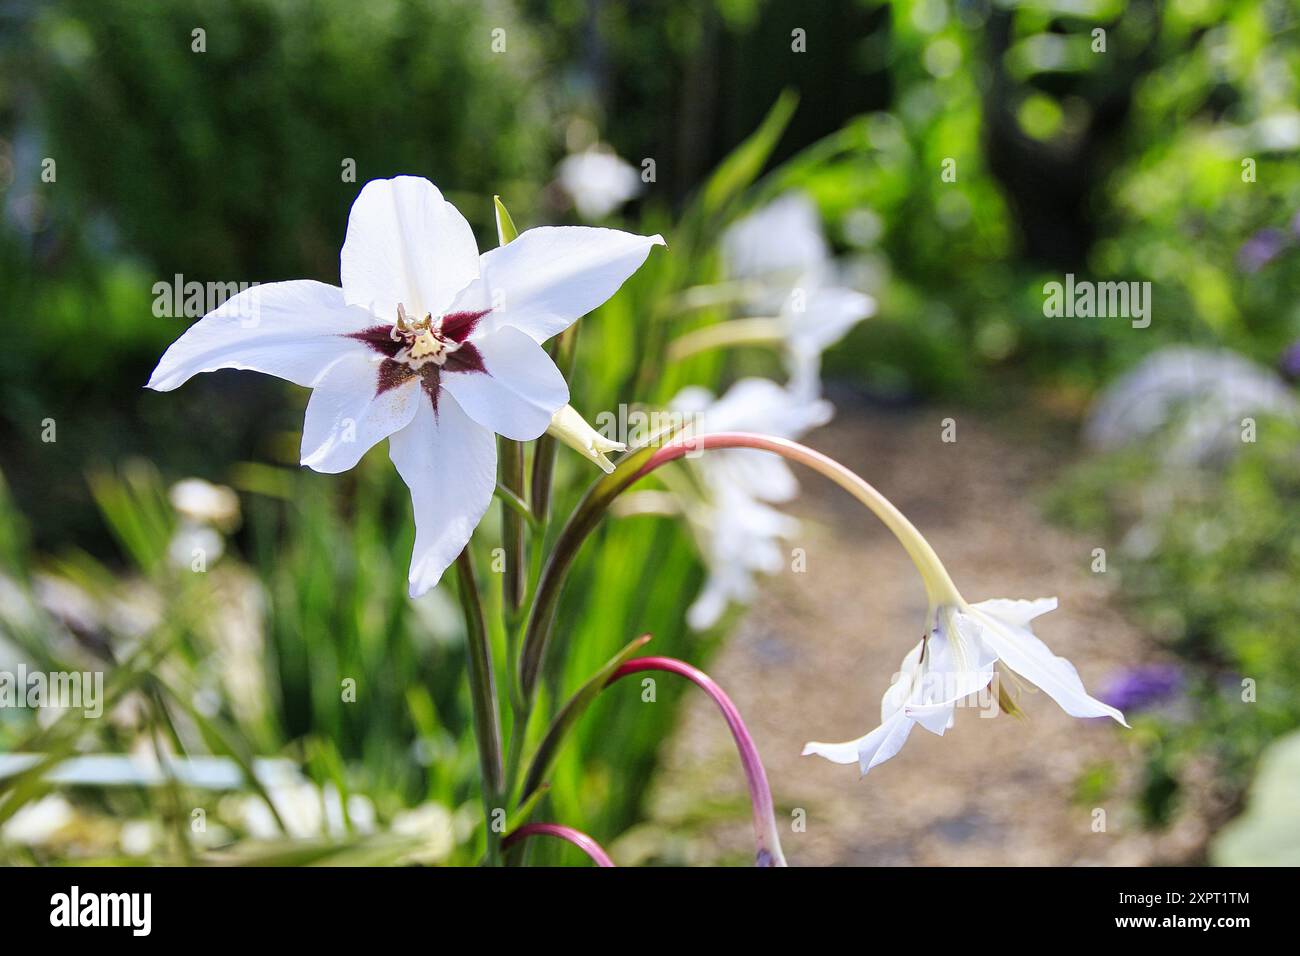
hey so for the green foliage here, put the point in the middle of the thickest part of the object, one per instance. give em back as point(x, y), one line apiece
point(1212, 568)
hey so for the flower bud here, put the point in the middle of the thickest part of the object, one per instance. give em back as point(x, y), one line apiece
point(572, 429)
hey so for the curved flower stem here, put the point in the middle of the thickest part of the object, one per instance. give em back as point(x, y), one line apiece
point(766, 839)
point(483, 696)
point(938, 585)
point(579, 839)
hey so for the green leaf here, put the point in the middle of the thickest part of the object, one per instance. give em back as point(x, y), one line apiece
point(576, 706)
point(746, 161)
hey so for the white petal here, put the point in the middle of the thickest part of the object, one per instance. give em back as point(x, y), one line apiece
point(345, 418)
point(521, 390)
point(1021, 650)
point(1019, 613)
point(784, 237)
point(548, 277)
point(406, 244)
point(708, 608)
point(869, 751)
point(903, 683)
point(958, 663)
point(935, 718)
point(826, 316)
point(884, 742)
point(450, 465)
point(294, 330)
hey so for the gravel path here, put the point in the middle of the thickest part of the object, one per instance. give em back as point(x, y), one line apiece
point(812, 657)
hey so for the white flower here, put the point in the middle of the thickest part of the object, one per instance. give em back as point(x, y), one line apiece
point(956, 659)
point(427, 344)
point(205, 503)
point(740, 533)
point(598, 182)
point(781, 252)
point(779, 242)
point(813, 318)
point(39, 822)
point(1194, 397)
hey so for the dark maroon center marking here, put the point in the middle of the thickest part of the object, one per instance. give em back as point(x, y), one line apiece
point(458, 326)
point(395, 343)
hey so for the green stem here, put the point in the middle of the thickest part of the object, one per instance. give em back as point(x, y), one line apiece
point(563, 349)
point(541, 620)
point(512, 525)
point(483, 696)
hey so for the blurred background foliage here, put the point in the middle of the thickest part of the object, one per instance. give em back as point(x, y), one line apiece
point(1164, 154)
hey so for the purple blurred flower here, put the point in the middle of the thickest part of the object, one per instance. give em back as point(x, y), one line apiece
point(1261, 249)
point(1289, 363)
point(1137, 688)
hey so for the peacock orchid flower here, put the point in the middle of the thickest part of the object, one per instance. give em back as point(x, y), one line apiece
point(956, 659)
point(427, 344)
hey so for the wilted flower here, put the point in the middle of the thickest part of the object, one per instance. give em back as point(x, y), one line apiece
point(427, 344)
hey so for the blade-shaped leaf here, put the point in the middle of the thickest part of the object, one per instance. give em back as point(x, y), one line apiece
point(568, 715)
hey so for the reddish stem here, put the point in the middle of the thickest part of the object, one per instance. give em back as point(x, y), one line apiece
point(760, 794)
point(579, 839)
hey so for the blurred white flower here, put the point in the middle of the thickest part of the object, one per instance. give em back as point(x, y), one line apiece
point(427, 344)
point(778, 243)
point(39, 821)
point(195, 545)
point(739, 532)
point(205, 503)
point(1196, 398)
point(138, 837)
point(815, 318)
point(956, 659)
point(307, 811)
point(598, 181)
point(433, 825)
point(781, 257)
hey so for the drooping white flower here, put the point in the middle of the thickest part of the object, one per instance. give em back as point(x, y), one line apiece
point(956, 659)
point(427, 344)
point(598, 182)
point(740, 533)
